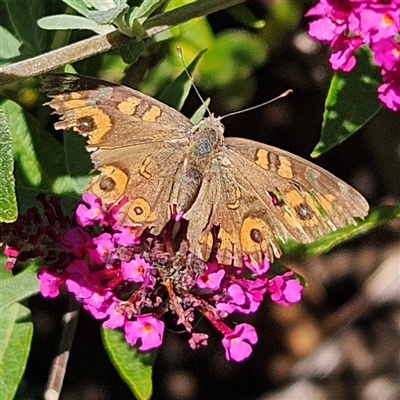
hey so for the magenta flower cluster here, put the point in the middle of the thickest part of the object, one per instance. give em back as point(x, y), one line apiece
point(348, 24)
point(130, 282)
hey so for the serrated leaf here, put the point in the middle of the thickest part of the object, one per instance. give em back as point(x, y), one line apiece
point(64, 21)
point(377, 216)
point(176, 93)
point(134, 367)
point(9, 45)
point(19, 287)
point(8, 201)
point(344, 113)
point(16, 331)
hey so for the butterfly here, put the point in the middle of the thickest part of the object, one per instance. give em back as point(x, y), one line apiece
point(243, 195)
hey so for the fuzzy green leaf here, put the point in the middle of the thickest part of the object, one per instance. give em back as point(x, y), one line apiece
point(8, 202)
point(16, 331)
point(9, 46)
point(39, 158)
point(108, 16)
point(134, 367)
point(64, 21)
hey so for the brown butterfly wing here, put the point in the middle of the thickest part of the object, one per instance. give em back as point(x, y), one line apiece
point(261, 194)
point(136, 142)
point(111, 115)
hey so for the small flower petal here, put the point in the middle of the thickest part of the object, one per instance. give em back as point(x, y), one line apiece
point(236, 343)
point(147, 329)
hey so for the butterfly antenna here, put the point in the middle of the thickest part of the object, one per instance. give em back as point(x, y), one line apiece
point(180, 54)
point(284, 94)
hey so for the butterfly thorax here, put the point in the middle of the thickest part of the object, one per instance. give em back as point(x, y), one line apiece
point(205, 142)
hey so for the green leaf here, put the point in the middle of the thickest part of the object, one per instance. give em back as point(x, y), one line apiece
point(79, 5)
point(377, 216)
point(19, 287)
point(104, 5)
point(8, 202)
point(134, 367)
point(9, 46)
point(107, 17)
point(16, 331)
point(131, 51)
point(78, 160)
point(145, 9)
point(344, 112)
point(39, 158)
point(65, 21)
point(23, 15)
point(200, 112)
point(176, 93)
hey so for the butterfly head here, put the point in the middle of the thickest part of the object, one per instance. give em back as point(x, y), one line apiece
point(210, 123)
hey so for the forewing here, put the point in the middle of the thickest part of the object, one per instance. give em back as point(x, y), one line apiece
point(137, 143)
point(111, 115)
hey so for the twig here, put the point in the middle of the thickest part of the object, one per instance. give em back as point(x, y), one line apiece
point(102, 43)
point(58, 369)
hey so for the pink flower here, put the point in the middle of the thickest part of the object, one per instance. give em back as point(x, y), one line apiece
point(98, 303)
point(75, 240)
point(379, 24)
point(342, 56)
point(87, 215)
point(254, 290)
point(80, 280)
point(12, 255)
point(103, 248)
point(387, 54)
point(348, 24)
point(49, 282)
point(233, 300)
point(258, 269)
point(135, 269)
point(126, 235)
point(210, 281)
point(337, 23)
point(284, 290)
point(389, 92)
point(99, 265)
point(10, 252)
point(198, 340)
point(236, 343)
point(116, 318)
point(147, 329)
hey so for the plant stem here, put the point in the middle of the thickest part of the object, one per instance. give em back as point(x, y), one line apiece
point(102, 43)
point(59, 367)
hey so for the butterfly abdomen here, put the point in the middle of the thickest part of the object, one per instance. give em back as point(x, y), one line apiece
point(205, 142)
